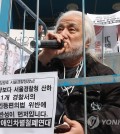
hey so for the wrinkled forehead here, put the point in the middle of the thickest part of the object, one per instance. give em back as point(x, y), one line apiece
point(68, 20)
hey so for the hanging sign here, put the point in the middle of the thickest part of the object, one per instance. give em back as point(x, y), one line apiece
point(105, 20)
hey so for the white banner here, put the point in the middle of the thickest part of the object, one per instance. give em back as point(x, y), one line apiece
point(106, 40)
point(28, 103)
point(110, 39)
point(29, 35)
point(107, 29)
point(17, 35)
point(14, 57)
point(105, 20)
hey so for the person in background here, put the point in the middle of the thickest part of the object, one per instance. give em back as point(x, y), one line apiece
point(40, 31)
point(103, 100)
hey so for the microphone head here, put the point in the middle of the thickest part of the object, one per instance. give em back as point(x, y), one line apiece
point(53, 44)
point(33, 43)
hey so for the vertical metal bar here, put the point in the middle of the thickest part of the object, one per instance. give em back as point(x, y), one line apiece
point(84, 64)
point(23, 39)
point(103, 45)
point(83, 35)
point(9, 19)
point(51, 7)
point(5, 65)
point(95, 6)
point(37, 22)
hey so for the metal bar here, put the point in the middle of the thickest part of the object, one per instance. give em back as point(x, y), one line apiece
point(107, 79)
point(51, 7)
point(5, 65)
point(84, 65)
point(103, 51)
point(36, 61)
point(83, 36)
point(25, 7)
point(23, 38)
point(9, 19)
point(95, 6)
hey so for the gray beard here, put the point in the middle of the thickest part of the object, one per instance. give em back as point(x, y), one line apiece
point(70, 55)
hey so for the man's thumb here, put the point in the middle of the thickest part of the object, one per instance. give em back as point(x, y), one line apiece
point(67, 120)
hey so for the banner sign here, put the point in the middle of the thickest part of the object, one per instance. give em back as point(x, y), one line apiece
point(28, 103)
point(110, 39)
point(17, 35)
point(107, 32)
point(14, 56)
point(105, 20)
point(106, 41)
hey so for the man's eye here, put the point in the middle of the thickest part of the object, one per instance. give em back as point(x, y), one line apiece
point(59, 29)
point(72, 29)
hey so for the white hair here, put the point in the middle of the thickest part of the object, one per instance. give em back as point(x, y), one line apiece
point(88, 27)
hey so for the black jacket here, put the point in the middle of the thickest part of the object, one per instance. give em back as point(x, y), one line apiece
point(103, 100)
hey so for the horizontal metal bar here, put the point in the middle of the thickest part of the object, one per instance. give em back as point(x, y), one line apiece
point(25, 7)
point(107, 79)
point(12, 41)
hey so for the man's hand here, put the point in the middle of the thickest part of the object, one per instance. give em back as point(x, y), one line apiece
point(75, 127)
point(47, 54)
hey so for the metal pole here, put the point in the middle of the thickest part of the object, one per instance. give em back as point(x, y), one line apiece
point(84, 65)
point(37, 24)
point(103, 45)
point(23, 39)
point(9, 19)
point(5, 65)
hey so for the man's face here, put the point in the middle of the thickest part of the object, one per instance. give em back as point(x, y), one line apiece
point(70, 27)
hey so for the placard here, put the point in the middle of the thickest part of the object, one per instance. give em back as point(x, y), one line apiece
point(28, 103)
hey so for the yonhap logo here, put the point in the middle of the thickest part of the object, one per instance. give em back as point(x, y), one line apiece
point(93, 122)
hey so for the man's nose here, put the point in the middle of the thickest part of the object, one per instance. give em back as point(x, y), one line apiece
point(64, 33)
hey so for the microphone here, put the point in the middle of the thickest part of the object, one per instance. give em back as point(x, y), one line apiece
point(53, 44)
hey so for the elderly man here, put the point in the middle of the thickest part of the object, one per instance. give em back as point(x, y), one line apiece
point(103, 101)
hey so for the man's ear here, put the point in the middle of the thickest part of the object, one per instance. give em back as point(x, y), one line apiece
point(87, 44)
